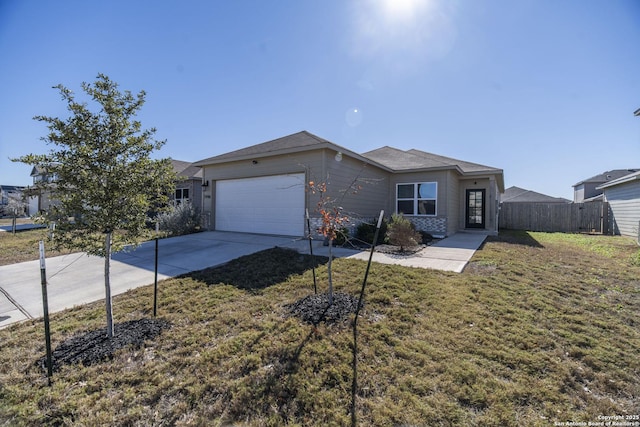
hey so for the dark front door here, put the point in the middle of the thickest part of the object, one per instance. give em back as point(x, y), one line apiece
point(475, 208)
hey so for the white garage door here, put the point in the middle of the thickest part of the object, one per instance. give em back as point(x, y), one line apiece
point(265, 205)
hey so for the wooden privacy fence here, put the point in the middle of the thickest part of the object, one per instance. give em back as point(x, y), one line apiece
point(591, 217)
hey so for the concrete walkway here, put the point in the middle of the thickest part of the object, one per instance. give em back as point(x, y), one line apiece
point(20, 227)
point(450, 254)
point(77, 279)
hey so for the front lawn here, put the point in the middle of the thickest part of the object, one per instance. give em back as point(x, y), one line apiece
point(540, 328)
point(23, 246)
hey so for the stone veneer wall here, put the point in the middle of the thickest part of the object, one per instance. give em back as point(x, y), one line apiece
point(316, 223)
point(435, 225)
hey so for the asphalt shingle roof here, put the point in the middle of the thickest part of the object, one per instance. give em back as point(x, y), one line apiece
point(520, 195)
point(400, 160)
point(608, 176)
point(186, 169)
point(298, 141)
point(390, 158)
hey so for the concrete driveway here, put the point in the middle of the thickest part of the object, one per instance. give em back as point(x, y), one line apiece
point(77, 279)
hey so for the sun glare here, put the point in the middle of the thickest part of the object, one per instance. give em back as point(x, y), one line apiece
point(401, 10)
point(413, 28)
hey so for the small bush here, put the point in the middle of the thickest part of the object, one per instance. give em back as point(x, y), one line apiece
point(401, 232)
point(182, 219)
point(367, 229)
point(342, 236)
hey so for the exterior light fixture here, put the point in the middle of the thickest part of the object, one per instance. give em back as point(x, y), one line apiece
point(338, 156)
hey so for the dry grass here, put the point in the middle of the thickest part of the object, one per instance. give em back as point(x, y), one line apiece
point(23, 246)
point(539, 328)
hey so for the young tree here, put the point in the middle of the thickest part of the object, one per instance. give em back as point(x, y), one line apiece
point(333, 220)
point(105, 180)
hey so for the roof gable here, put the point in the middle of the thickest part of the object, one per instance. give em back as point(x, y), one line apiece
point(300, 141)
point(294, 143)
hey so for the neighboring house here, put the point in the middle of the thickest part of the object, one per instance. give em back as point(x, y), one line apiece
point(262, 188)
point(11, 197)
point(623, 196)
point(520, 195)
point(189, 186)
point(587, 190)
point(39, 196)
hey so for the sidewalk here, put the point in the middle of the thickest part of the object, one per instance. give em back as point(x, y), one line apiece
point(77, 279)
point(450, 254)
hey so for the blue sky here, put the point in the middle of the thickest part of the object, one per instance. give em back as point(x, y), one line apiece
point(543, 89)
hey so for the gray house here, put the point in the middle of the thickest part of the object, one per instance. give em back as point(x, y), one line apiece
point(587, 190)
point(189, 186)
point(623, 195)
point(262, 188)
point(11, 200)
point(40, 196)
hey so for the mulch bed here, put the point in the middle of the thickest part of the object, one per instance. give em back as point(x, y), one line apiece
point(315, 308)
point(94, 346)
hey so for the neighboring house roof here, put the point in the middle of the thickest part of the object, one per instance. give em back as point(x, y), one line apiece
point(607, 176)
point(635, 176)
point(186, 170)
point(520, 195)
point(38, 170)
point(11, 188)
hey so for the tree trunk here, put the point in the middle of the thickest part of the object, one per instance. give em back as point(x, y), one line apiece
point(329, 272)
point(107, 284)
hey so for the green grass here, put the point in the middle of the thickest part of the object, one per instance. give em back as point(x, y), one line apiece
point(539, 328)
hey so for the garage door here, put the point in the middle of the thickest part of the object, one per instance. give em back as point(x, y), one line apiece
point(265, 205)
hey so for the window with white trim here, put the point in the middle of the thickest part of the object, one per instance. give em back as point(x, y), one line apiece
point(418, 198)
point(182, 196)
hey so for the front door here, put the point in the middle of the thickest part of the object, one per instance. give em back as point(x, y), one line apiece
point(475, 208)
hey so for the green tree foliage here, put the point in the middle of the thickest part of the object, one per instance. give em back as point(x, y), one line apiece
point(104, 178)
point(401, 232)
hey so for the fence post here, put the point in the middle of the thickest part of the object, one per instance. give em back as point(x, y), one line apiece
point(45, 306)
point(155, 275)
